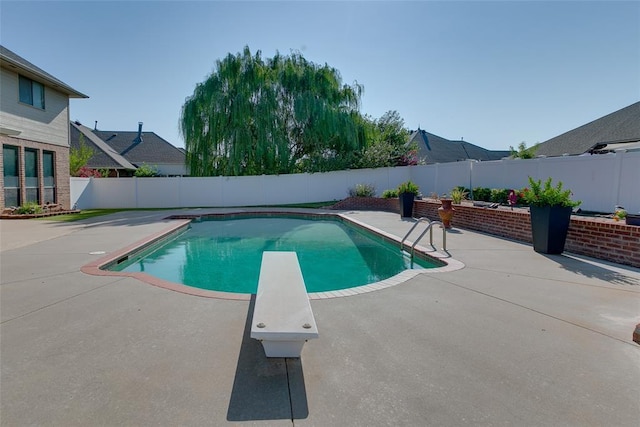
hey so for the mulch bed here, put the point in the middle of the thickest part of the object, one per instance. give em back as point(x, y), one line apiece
point(38, 215)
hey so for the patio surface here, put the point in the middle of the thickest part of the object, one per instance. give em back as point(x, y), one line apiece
point(513, 338)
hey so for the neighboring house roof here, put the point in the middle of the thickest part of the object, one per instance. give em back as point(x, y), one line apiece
point(126, 150)
point(152, 150)
point(435, 149)
point(104, 156)
point(622, 126)
point(13, 61)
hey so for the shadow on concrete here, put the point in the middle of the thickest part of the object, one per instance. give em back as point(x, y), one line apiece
point(266, 388)
point(615, 276)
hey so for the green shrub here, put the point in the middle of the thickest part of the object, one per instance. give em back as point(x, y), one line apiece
point(408, 187)
point(458, 194)
point(362, 190)
point(547, 195)
point(482, 194)
point(499, 195)
point(145, 170)
point(390, 194)
point(29, 208)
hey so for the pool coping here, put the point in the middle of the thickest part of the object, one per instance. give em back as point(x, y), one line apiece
point(97, 267)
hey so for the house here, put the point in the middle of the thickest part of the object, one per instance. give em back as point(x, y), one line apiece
point(618, 130)
point(435, 149)
point(122, 152)
point(104, 157)
point(34, 133)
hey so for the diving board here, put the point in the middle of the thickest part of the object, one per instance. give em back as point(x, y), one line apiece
point(282, 316)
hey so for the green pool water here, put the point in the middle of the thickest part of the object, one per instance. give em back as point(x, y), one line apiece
point(225, 255)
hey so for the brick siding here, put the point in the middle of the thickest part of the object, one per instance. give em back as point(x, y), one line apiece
point(601, 238)
point(61, 160)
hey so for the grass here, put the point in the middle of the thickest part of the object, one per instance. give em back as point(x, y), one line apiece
point(89, 213)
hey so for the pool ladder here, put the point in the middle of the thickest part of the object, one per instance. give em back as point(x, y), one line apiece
point(429, 228)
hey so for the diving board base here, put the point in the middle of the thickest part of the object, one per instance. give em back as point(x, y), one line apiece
point(282, 348)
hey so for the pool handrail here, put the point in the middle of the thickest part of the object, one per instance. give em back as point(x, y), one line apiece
point(429, 228)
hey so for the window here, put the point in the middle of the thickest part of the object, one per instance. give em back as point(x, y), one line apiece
point(11, 175)
point(31, 175)
point(48, 175)
point(31, 92)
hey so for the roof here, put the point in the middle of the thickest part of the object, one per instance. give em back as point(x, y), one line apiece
point(435, 149)
point(622, 126)
point(11, 60)
point(152, 150)
point(104, 156)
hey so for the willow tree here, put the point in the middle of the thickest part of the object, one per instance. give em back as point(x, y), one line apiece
point(280, 115)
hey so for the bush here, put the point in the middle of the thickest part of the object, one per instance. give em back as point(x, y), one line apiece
point(458, 194)
point(546, 195)
point(145, 170)
point(408, 187)
point(482, 194)
point(85, 172)
point(499, 196)
point(29, 208)
point(362, 190)
point(390, 194)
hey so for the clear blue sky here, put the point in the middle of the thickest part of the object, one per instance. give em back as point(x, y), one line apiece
point(495, 73)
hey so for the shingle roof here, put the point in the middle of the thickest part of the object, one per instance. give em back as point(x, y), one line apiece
point(620, 126)
point(435, 149)
point(152, 150)
point(13, 60)
point(104, 156)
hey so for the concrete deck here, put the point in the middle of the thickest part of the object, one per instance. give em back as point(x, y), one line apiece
point(514, 338)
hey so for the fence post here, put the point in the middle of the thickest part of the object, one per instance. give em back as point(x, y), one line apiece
point(617, 173)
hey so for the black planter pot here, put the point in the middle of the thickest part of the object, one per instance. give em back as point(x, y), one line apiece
point(549, 227)
point(632, 219)
point(406, 204)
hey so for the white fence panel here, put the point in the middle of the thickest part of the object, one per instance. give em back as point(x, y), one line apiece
point(600, 181)
point(114, 193)
point(157, 192)
point(200, 192)
point(243, 191)
point(81, 193)
point(449, 176)
point(627, 192)
point(425, 177)
point(326, 186)
point(284, 189)
point(381, 178)
point(590, 182)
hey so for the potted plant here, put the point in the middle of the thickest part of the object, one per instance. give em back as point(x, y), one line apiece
point(550, 208)
point(407, 192)
point(458, 194)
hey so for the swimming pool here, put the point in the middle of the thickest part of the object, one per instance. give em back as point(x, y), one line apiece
point(224, 254)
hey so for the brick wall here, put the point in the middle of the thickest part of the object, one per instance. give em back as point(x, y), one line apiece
point(61, 159)
point(601, 238)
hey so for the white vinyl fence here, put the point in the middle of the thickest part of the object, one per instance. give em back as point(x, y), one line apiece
point(600, 181)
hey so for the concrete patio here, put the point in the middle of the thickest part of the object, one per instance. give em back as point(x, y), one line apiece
point(513, 338)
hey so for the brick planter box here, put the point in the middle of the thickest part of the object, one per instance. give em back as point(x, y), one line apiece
point(601, 238)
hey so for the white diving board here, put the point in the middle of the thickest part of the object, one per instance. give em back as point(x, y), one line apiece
point(282, 316)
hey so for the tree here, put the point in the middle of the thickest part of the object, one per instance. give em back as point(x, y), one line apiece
point(78, 157)
point(280, 115)
point(145, 170)
point(523, 152)
point(387, 142)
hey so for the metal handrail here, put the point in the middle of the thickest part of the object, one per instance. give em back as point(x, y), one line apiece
point(430, 229)
point(418, 221)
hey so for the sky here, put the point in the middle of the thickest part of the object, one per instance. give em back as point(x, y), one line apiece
point(492, 73)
